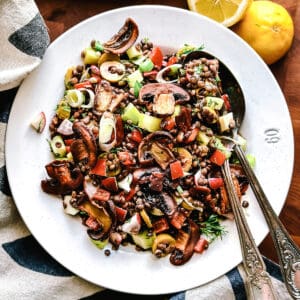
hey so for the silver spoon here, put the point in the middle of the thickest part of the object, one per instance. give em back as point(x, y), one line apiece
point(258, 281)
point(287, 250)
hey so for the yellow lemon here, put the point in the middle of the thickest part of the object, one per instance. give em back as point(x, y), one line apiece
point(226, 12)
point(268, 28)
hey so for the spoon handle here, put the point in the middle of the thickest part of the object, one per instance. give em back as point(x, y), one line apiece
point(288, 252)
point(258, 281)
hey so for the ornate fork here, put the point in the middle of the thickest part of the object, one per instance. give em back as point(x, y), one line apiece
point(258, 283)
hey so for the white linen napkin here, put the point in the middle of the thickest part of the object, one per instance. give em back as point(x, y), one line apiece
point(24, 40)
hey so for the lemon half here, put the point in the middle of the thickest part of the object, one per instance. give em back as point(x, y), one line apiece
point(226, 12)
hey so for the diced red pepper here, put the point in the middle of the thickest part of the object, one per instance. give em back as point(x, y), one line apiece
point(100, 167)
point(172, 60)
point(156, 56)
point(130, 195)
point(225, 98)
point(101, 195)
point(68, 142)
point(95, 78)
point(126, 158)
point(151, 74)
point(68, 149)
point(160, 225)
point(136, 136)
point(215, 183)
point(192, 136)
point(168, 123)
point(110, 183)
point(176, 170)
point(84, 84)
point(92, 223)
point(201, 245)
point(218, 157)
point(121, 213)
point(178, 219)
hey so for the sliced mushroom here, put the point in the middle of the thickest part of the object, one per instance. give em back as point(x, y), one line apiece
point(89, 141)
point(144, 149)
point(164, 104)
point(164, 97)
point(161, 154)
point(179, 256)
point(105, 98)
point(63, 179)
point(124, 39)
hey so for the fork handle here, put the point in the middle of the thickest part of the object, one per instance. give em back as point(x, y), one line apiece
point(258, 281)
point(288, 252)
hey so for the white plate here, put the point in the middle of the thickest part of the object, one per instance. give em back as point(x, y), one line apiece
point(267, 126)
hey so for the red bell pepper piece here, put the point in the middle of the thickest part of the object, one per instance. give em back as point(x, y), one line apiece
point(218, 157)
point(225, 98)
point(121, 213)
point(151, 74)
point(68, 142)
point(136, 136)
point(100, 167)
point(201, 245)
point(101, 195)
point(215, 183)
point(126, 158)
point(130, 195)
point(178, 219)
point(156, 56)
point(168, 123)
point(83, 85)
point(160, 225)
point(110, 183)
point(176, 170)
point(172, 60)
point(92, 223)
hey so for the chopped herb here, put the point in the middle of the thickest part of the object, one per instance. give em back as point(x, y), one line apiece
point(115, 150)
point(98, 46)
point(212, 228)
point(132, 127)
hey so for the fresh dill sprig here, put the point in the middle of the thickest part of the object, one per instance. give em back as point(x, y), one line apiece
point(212, 228)
point(132, 127)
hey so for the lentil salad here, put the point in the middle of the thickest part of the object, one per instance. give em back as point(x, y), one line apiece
point(137, 148)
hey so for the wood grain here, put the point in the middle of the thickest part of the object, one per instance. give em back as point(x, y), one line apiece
point(60, 15)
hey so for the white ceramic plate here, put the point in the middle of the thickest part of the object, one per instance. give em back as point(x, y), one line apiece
point(267, 127)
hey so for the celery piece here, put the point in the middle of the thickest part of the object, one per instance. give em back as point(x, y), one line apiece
point(136, 88)
point(131, 113)
point(202, 138)
point(133, 52)
point(98, 46)
point(133, 77)
point(146, 66)
point(149, 123)
point(251, 160)
point(214, 102)
point(91, 56)
point(100, 244)
point(143, 239)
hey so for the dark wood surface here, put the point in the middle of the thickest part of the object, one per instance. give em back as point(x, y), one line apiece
point(60, 15)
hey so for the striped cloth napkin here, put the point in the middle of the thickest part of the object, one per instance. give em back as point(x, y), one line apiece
point(27, 271)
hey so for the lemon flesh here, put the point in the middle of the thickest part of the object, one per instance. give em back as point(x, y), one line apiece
point(226, 12)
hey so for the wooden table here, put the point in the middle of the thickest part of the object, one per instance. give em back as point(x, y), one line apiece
point(60, 15)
